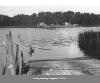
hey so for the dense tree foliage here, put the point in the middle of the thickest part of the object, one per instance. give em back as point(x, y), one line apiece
point(82, 19)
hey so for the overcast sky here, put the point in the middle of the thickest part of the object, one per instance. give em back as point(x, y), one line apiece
point(13, 7)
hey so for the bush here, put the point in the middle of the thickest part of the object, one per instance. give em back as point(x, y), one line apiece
point(89, 43)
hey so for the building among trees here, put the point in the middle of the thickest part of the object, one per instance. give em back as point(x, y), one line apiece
point(57, 19)
point(42, 25)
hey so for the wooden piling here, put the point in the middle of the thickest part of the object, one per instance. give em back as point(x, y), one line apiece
point(22, 63)
point(17, 64)
point(4, 66)
point(10, 53)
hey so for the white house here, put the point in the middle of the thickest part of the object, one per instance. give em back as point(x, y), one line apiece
point(67, 24)
point(41, 24)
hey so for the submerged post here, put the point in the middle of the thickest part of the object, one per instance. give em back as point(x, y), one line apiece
point(19, 37)
point(10, 53)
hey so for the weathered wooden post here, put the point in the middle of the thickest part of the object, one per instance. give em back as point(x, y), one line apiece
point(4, 66)
point(10, 53)
point(22, 63)
point(17, 64)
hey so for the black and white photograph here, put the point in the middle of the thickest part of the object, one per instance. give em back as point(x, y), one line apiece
point(49, 37)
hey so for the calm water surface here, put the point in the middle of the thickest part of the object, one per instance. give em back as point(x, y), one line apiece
point(61, 42)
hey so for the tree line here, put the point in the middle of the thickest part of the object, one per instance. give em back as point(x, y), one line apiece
point(82, 19)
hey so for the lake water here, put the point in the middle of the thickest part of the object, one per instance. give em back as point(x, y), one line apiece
point(47, 44)
point(60, 41)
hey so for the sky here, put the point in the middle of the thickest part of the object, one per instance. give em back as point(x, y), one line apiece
point(14, 7)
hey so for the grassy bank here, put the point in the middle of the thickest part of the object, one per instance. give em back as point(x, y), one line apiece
point(89, 43)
